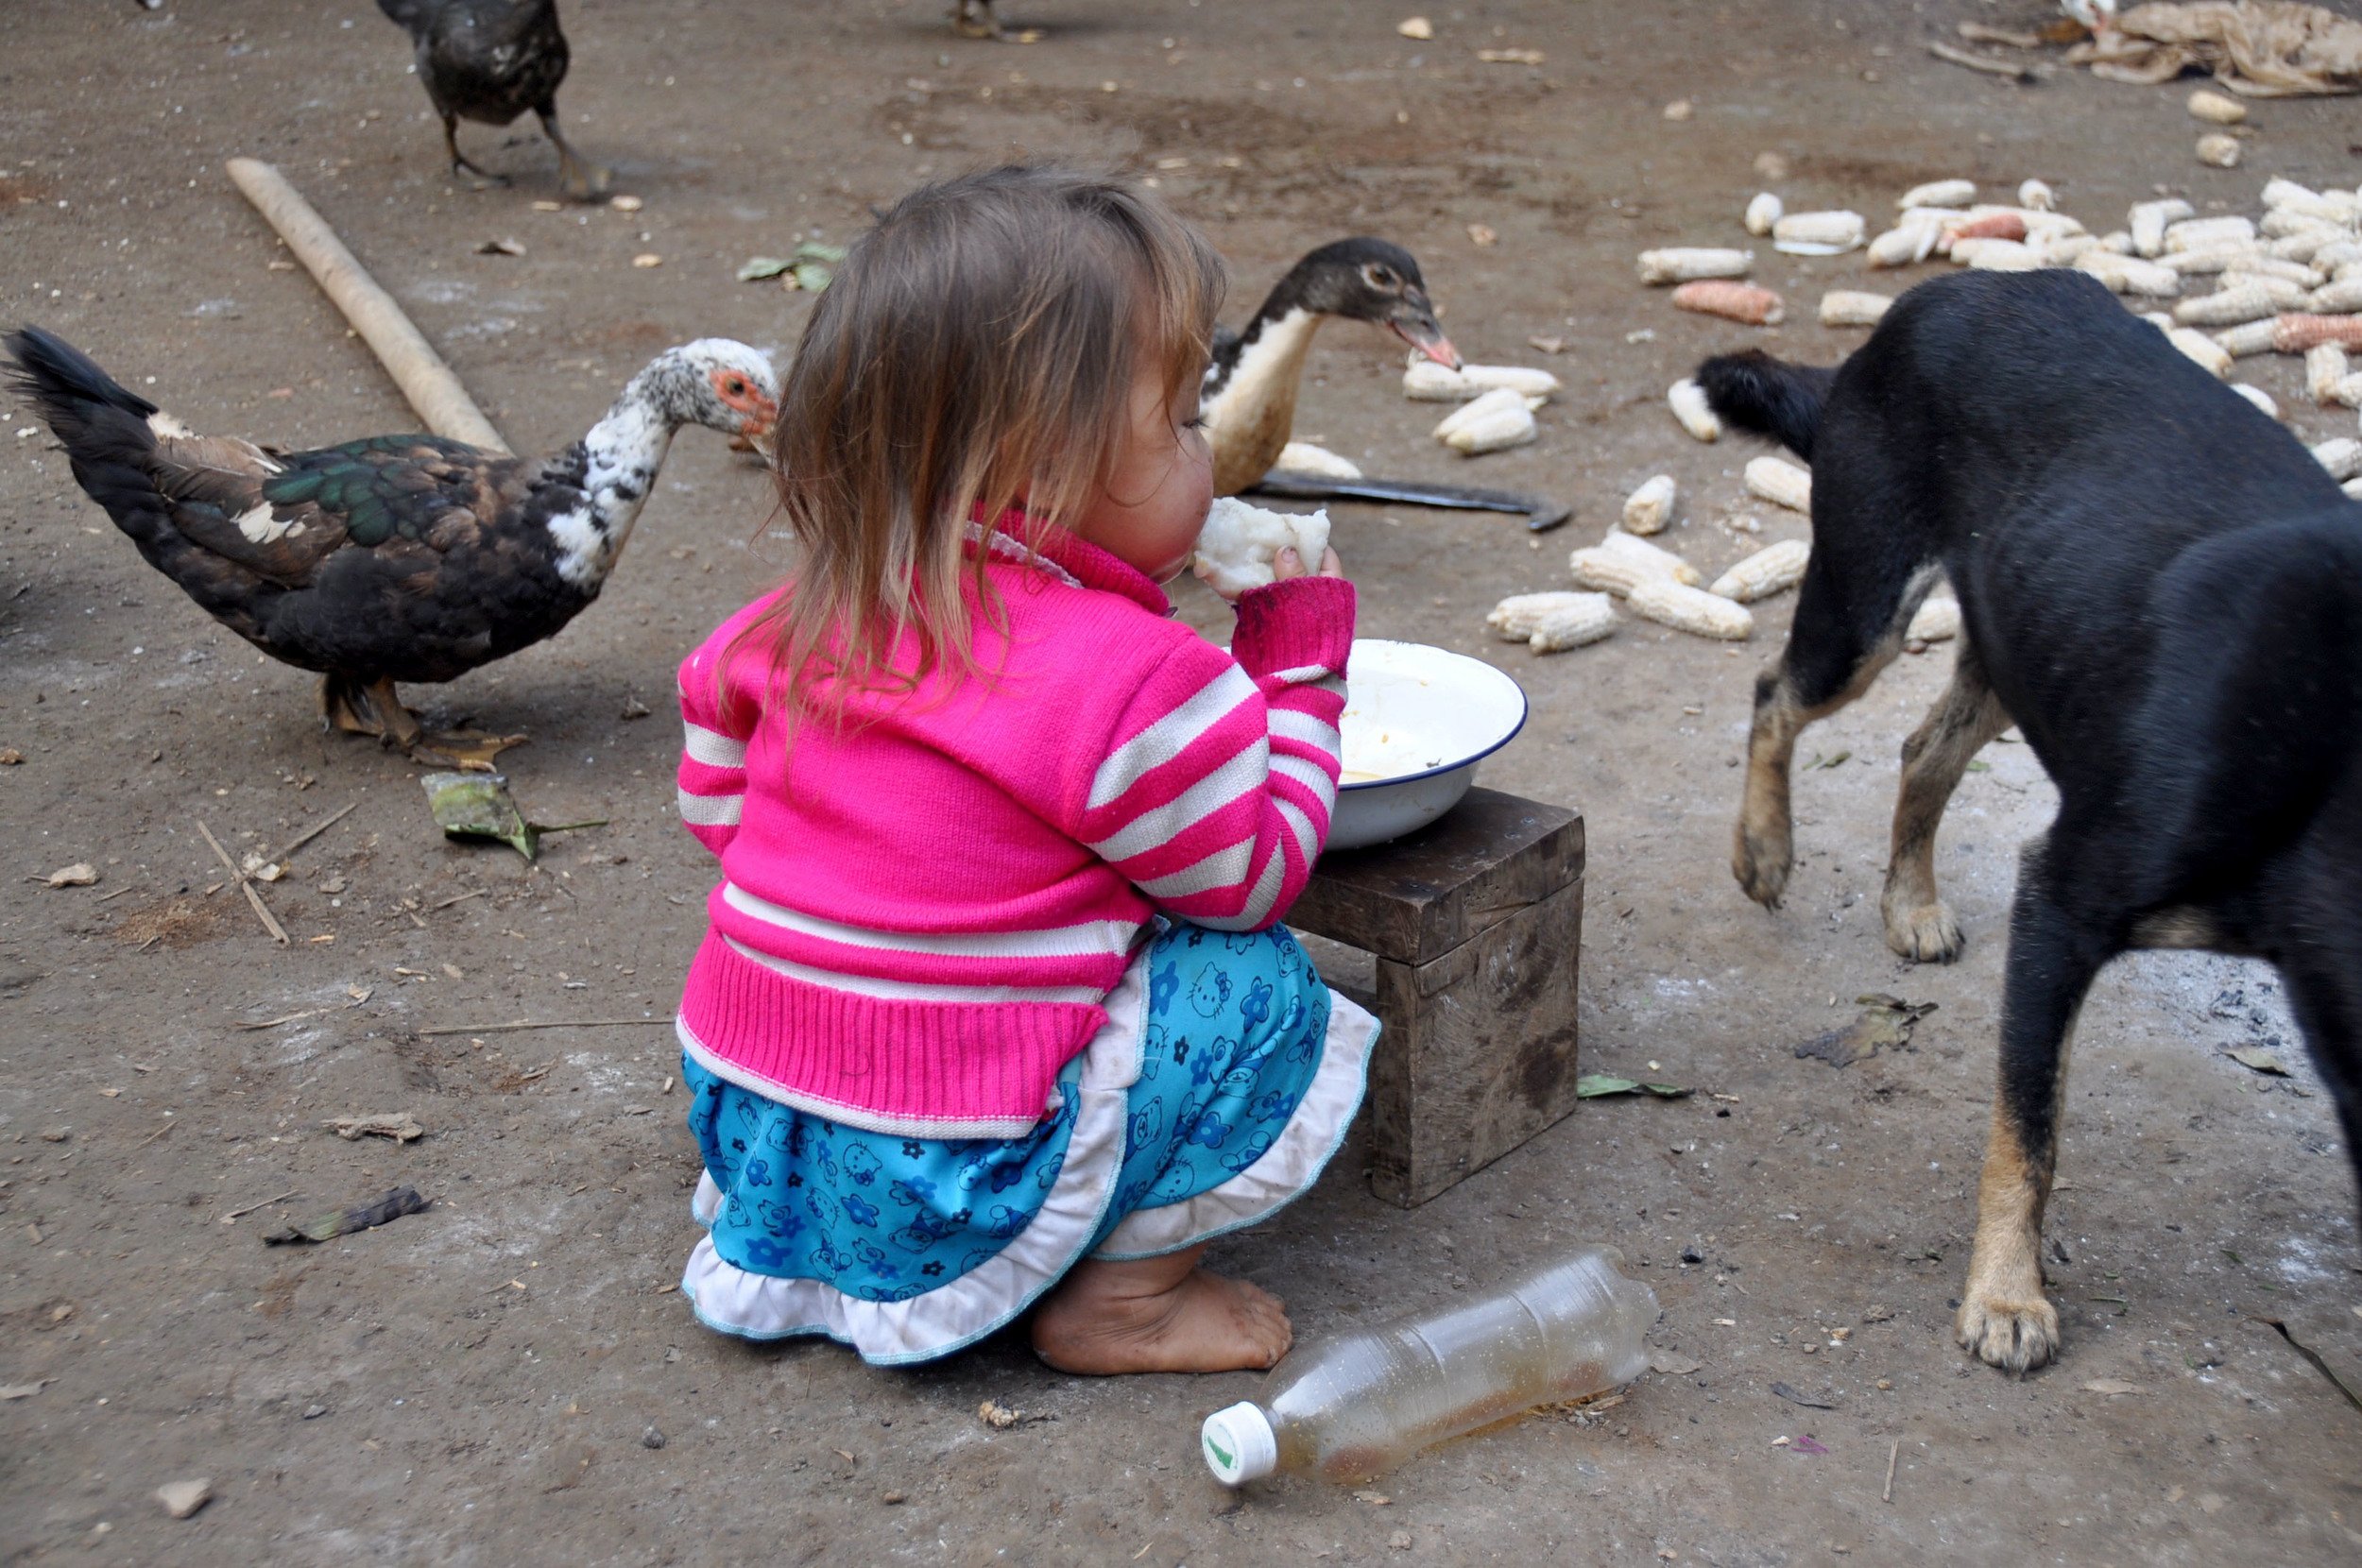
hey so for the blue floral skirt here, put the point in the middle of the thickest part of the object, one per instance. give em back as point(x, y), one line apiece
point(1220, 1086)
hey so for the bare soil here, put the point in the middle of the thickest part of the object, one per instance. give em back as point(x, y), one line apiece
point(472, 1383)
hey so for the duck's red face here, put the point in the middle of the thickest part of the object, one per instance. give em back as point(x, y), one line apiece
point(738, 390)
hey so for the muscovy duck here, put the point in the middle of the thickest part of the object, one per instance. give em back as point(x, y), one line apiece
point(394, 557)
point(1248, 400)
point(490, 61)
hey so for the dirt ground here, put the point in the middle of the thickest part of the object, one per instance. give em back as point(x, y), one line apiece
point(472, 1383)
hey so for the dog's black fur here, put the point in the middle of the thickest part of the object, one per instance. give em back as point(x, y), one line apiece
point(2163, 591)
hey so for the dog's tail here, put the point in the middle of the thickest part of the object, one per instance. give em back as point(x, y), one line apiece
point(1768, 396)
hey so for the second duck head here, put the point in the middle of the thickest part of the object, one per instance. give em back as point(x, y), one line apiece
point(1370, 280)
point(715, 382)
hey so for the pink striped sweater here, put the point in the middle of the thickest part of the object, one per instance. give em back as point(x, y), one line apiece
point(921, 910)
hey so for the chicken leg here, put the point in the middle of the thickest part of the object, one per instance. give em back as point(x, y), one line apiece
point(376, 709)
point(583, 180)
point(459, 159)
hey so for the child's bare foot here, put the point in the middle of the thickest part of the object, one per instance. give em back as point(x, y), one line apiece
point(1159, 1313)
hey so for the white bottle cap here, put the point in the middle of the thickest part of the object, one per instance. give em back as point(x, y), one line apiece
point(1239, 1444)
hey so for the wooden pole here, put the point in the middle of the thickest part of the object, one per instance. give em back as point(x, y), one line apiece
point(433, 391)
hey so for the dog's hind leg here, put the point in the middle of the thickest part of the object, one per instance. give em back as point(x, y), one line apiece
point(1833, 654)
point(1964, 718)
point(2004, 1317)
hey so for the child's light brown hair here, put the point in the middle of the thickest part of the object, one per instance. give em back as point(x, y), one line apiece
point(977, 347)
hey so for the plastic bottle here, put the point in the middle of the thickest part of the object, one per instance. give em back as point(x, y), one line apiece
point(1352, 1408)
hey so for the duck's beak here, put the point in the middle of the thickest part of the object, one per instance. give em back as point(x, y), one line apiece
point(757, 430)
point(1414, 321)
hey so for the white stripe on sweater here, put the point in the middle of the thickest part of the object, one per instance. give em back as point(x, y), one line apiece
point(1301, 826)
point(1091, 938)
point(914, 991)
point(1288, 725)
point(1312, 776)
point(1223, 868)
point(1170, 736)
point(1245, 774)
point(1260, 902)
point(711, 747)
point(711, 810)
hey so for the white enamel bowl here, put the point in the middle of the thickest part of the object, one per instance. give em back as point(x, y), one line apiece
point(1419, 719)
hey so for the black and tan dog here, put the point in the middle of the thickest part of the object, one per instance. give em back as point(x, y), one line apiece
point(2163, 591)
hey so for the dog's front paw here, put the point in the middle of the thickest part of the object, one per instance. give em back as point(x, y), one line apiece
point(2016, 1335)
point(1925, 933)
point(1761, 865)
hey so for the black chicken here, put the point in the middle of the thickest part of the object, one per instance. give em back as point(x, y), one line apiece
point(394, 557)
point(490, 61)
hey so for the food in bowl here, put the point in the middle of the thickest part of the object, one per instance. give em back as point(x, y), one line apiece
point(1417, 721)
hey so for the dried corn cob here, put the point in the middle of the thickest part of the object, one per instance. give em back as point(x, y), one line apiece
point(1550, 622)
point(1424, 380)
point(1619, 560)
point(2218, 150)
point(1818, 234)
point(1689, 609)
point(2284, 222)
point(2212, 355)
point(1938, 192)
point(1852, 307)
point(2227, 307)
point(2332, 206)
point(2341, 457)
point(2204, 233)
point(2214, 107)
point(1765, 572)
point(2348, 392)
point(2295, 334)
point(2342, 297)
point(2148, 222)
point(1688, 401)
point(1990, 226)
point(1781, 482)
point(1680, 264)
point(2325, 365)
point(1906, 243)
point(2285, 295)
point(1999, 256)
point(1304, 457)
point(1733, 300)
point(1502, 418)
point(2215, 258)
point(1647, 509)
point(1937, 619)
point(2036, 194)
point(2261, 399)
point(1762, 213)
point(2265, 265)
point(2252, 337)
point(2352, 488)
point(2130, 274)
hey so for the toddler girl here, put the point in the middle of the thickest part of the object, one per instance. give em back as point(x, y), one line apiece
point(993, 1008)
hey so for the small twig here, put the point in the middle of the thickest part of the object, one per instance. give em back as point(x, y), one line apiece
point(2318, 1365)
point(278, 932)
point(1976, 33)
point(539, 1023)
point(315, 831)
point(108, 897)
point(1894, 1452)
point(289, 1018)
point(158, 1133)
point(241, 1214)
point(2021, 73)
point(460, 898)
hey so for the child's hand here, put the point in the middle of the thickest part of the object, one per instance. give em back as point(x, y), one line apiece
point(1288, 563)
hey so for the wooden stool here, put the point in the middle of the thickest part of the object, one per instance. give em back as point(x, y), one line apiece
point(1475, 922)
